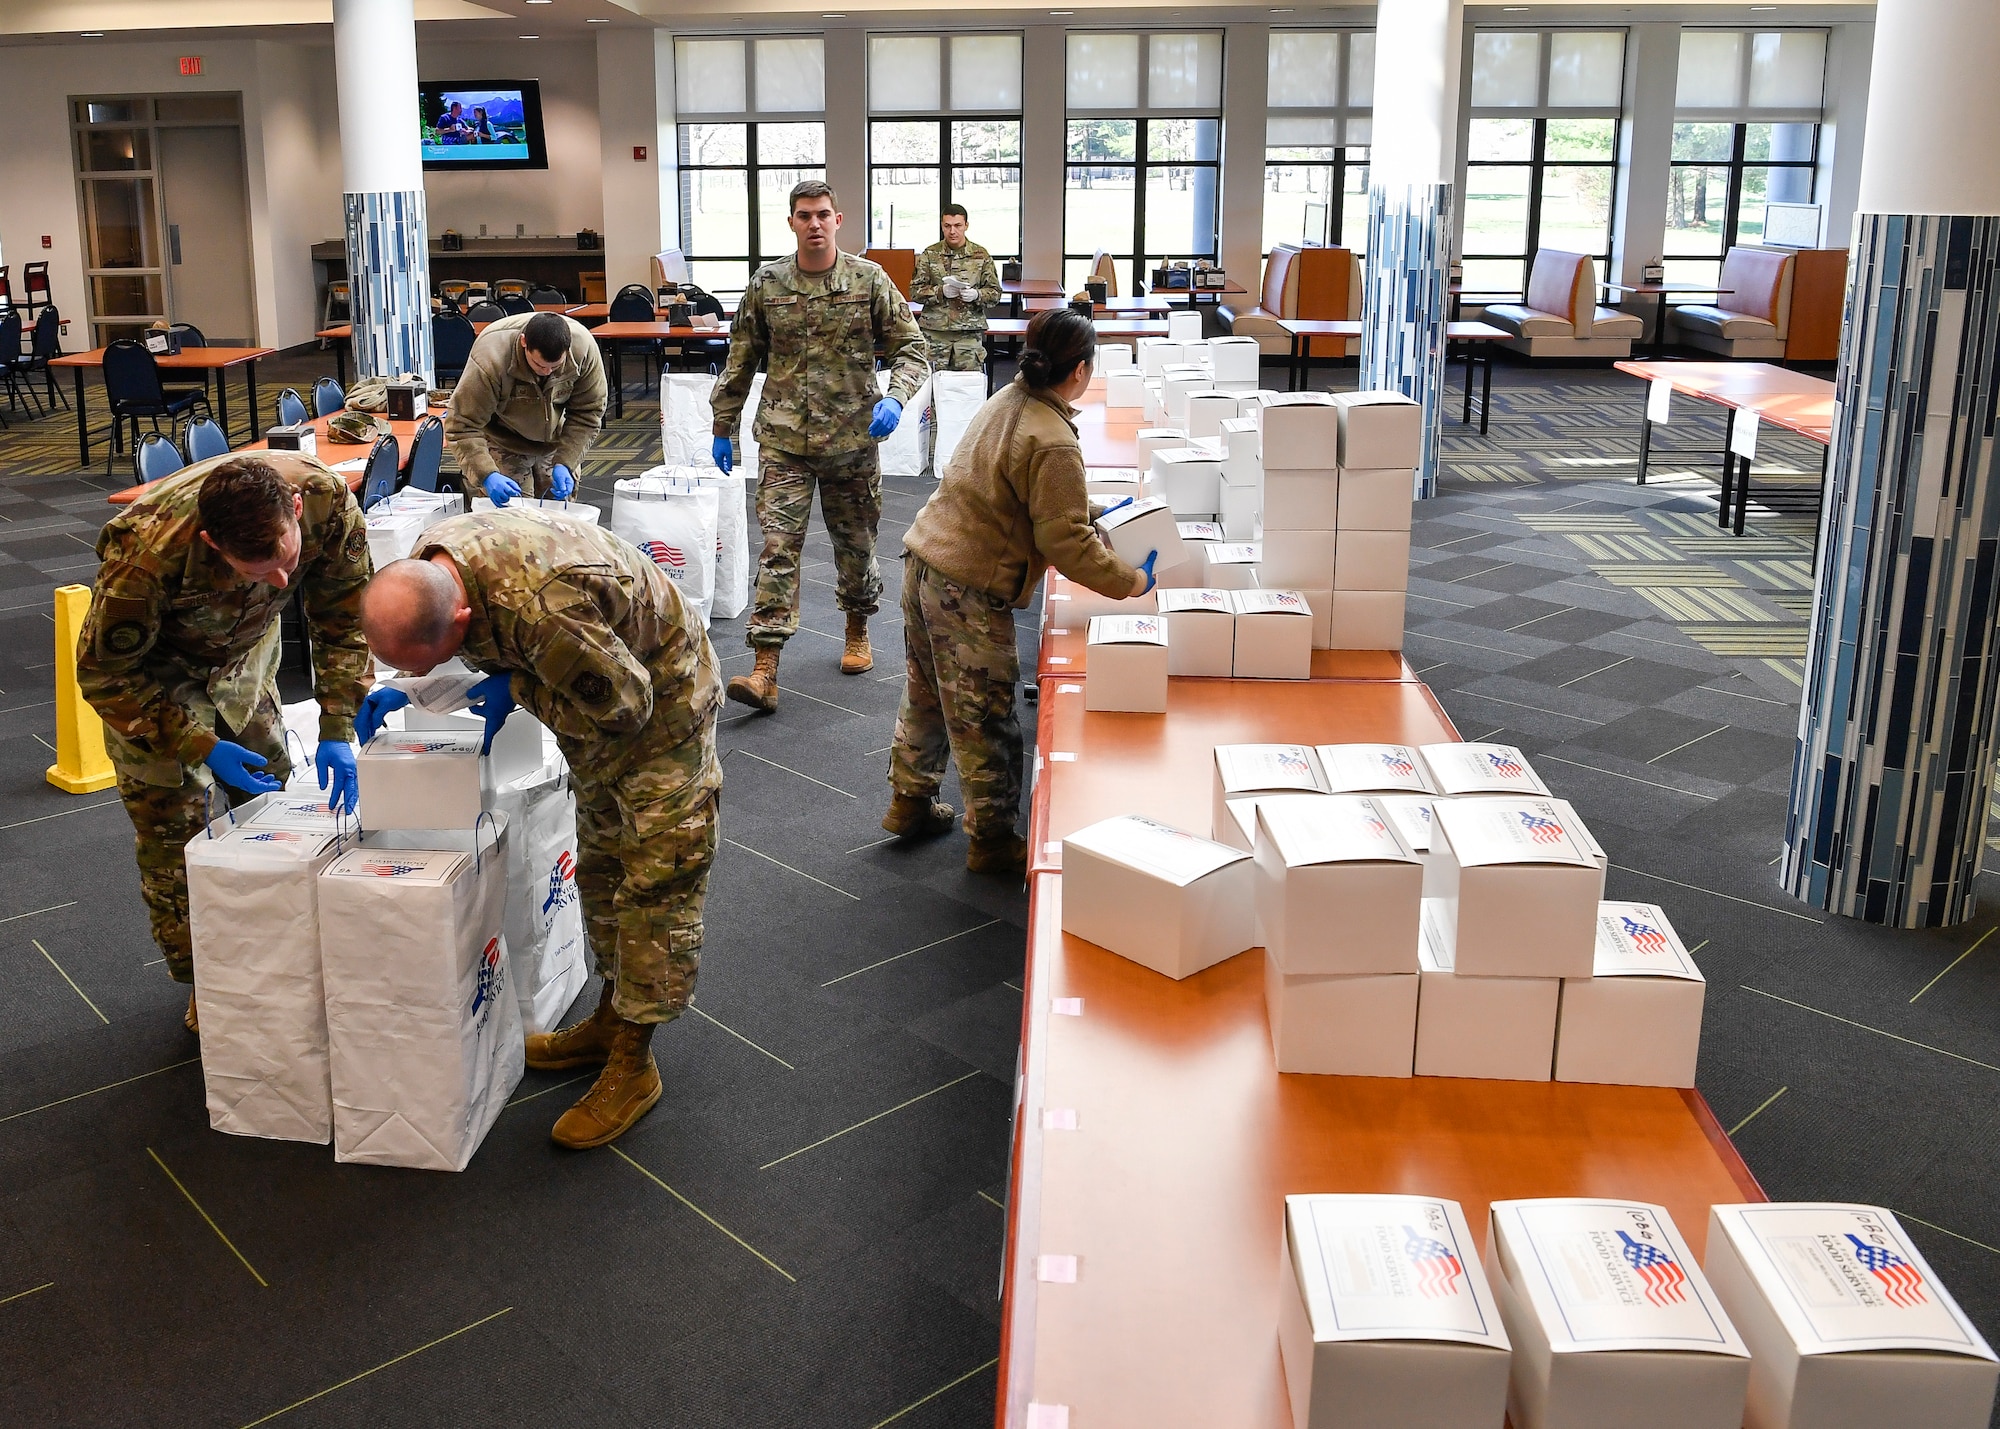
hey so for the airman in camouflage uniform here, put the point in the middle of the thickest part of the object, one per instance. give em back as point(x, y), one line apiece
point(954, 319)
point(816, 333)
point(601, 649)
point(180, 651)
point(506, 417)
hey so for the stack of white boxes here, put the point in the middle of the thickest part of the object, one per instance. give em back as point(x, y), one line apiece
point(1299, 435)
point(1380, 445)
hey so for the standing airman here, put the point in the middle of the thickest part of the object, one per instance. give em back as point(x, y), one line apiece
point(956, 282)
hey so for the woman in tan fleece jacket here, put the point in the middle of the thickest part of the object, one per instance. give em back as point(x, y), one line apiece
point(1011, 504)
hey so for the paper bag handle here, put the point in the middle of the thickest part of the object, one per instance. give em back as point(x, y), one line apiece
point(208, 811)
point(485, 817)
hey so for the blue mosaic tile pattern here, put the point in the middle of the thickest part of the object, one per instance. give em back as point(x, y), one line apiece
point(388, 266)
point(1894, 764)
point(1405, 305)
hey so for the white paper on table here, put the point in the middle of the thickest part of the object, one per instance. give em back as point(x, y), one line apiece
point(1659, 400)
point(1743, 433)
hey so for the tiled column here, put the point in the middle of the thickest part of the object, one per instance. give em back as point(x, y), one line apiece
point(1405, 304)
point(382, 175)
point(1894, 766)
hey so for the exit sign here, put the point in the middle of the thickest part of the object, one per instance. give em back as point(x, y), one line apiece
point(190, 64)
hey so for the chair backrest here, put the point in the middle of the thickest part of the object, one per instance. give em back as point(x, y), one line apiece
point(6, 284)
point(379, 478)
point(1280, 281)
point(1564, 284)
point(511, 288)
point(204, 439)
point(47, 341)
point(1759, 283)
point(1104, 269)
point(670, 265)
point(156, 457)
point(899, 263)
point(634, 304)
point(292, 408)
point(131, 375)
point(1320, 281)
point(35, 279)
point(10, 337)
point(328, 397)
point(485, 312)
point(547, 297)
point(189, 334)
point(451, 342)
point(427, 454)
point(514, 304)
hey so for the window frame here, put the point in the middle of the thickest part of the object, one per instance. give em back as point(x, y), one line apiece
point(944, 167)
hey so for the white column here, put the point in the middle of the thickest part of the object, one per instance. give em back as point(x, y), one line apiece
point(1645, 148)
point(1412, 163)
point(382, 183)
point(1849, 53)
point(628, 119)
point(1044, 104)
point(847, 132)
point(666, 129)
point(1246, 83)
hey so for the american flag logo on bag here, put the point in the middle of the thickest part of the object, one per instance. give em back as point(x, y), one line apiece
point(661, 554)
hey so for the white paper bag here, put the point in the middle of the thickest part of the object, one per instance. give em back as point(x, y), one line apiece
point(733, 571)
point(746, 443)
point(687, 421)
point(547, 955)
point(955, 396)
point(671, 516)
point(253, 914)
point(573, 510)
point(907, 450)
point(423, 1029)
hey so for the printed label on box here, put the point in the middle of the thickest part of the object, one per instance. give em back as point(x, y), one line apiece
point(1246, 767)
point(1198, 598)
point(1636, 940)
point(1201, 530)
point(409, 865)
point(1481, 769)
point(290, 811)
point(1156, 848)
point(279, 841)
point(1145, 505)
point(1236, 553)
point(1491, 831)
point(1845, 1277)
point(443, 742)
point(1366, 768)
point(1272, 602)
point(1339, 829)
point(1412, 818)
point(1127, 630)
point(1391, 1267)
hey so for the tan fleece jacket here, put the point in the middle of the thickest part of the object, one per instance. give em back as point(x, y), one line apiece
point(1012, 504)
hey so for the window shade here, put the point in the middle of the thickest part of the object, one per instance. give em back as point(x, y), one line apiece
point(1103, 72)
point(1304, 70)
point(1184, 71)
point(1788, 69)
point(791, 75)
point(986, 73)
point(709, 77)
point(903, 73)
point(1711, 70)
point(1361, 71)
point(1586, 69)
point(1506, 69)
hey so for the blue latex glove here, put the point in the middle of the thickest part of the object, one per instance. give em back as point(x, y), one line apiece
point(492, 701)
point(335, 760)
point(562, 482)
point(888, 412)
point(725, 456)
point(1113, 507)
point(1147, 566)
point(375, 707)
point(240, 769)
point(501, 489)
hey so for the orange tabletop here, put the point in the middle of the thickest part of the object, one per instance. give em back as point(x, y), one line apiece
point(1031, 287)
point(329, 452)
point(1149, 303)
point(1798, 402)
point(188, 359)
point(1464, 330)
point(1106, 327)
point(1170, 1190)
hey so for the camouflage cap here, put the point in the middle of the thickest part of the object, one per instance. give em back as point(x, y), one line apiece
point(351, 428)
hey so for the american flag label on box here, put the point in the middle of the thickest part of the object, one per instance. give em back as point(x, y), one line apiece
point(1391, 1267)
point(1374, 768)
point(1482, 769)
point(1249, 767)
point(1636, 940)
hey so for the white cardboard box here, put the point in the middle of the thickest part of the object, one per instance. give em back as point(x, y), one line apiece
point(1370, 560)
point(1274, 630)
point(1201, 633)
point(1340, 1025)
point(1238, 827)
point(1298, 558)
point(1241, 509)
point(1321, 601)
point(425, 779)
point(1613, 1324)
point(516, 751)
point(1184, 326)
point(1207, 411)
point(1067, 605)
point(1234, 359)
point(1411, 814)
point(1113, 357)
point(1385, 1320)
point(1234, 565)
point(1112, 484)
point(1337, 889)
point(1155, 353)
point(1300, 434)
point(1154, 412)
point(1127, 668)
point(1518, 892)
point(1636, 1020)
point(1206, 532)
point(1376, 498)
point(1239, 437)
point(1190, 478)
point(1147, 525)
point(1125, 388)
point(1379, 429)
point(1167, 900)
point(1847, 1325)
point(1366, 620)
point(1482, 769)
point(1374, 769)
point(1176, 388)
point(1301, 500)
point(1242, 769)
point(1503, 1028)
point(1156, 439)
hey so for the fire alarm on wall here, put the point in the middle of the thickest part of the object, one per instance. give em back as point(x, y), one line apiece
point(638, 153)
point(47, 241)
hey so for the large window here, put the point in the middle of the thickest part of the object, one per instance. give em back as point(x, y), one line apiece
point(1144, 129)
point(1746, 134)
point(753, 124)
point(1542, 151)
point(1316, 137)
point(954, 137)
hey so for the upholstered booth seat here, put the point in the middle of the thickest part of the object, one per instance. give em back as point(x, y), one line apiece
point(1560, 317)
point(1320, 283)
point(1752, 318)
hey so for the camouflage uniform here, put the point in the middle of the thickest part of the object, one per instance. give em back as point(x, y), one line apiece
point(958, 699)
point(604, 652)
point(179, 651)
point(505, 418)
point(955, 328)
point(817, 333)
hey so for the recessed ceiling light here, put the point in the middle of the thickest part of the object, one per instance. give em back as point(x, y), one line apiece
point(530, 37)
point(541, 2)
point(1062, 12)
point(93, 34)
point(833, 17)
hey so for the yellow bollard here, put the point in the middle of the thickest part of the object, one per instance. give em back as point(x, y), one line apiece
point(81, 766)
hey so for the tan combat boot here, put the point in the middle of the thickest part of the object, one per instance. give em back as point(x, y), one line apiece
point(759, 688)
point(911, 816)
point(999, 854)
point(586, 1044)
point(857, 658)
point(190, 1021)
point(625, 1091)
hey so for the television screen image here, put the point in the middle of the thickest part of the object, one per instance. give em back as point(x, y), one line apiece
point(482, 124)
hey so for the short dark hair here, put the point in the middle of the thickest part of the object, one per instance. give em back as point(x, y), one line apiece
point(245, 508)
point(955, 210)
point(1058, 340)
point(547, 335)
point(810, 188)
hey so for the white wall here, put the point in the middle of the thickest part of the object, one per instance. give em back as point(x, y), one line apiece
point(628, 98)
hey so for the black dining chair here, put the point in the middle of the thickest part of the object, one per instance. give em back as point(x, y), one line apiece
point(132, 389)
point(156, 456)
point(11, 359)
point(547, 297)
point(328, 397)
point(514, 304)
point(427, 454)
point(485, 311)
point(45, 343)
point(204, 439)
point(452, 336)
point(189, 334)
point(379, 476)
point(292, 408)
point(634, 304)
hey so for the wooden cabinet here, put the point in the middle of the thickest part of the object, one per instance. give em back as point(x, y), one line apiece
point(1819, 293)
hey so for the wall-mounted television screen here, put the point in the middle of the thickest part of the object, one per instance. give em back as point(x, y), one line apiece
point(483, 124)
